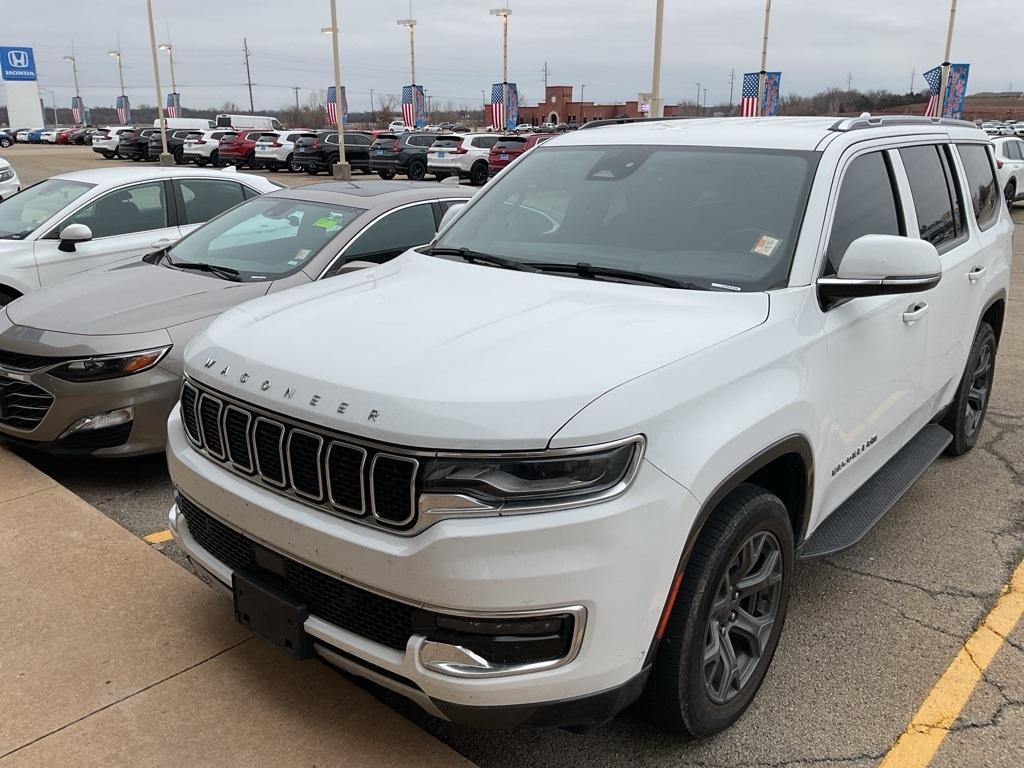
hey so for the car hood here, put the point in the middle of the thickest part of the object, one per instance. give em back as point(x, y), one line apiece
point(433, 353)
point(132, 297)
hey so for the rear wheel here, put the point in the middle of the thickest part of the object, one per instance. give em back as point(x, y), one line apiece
point(312, 170)
point(967, 413)
point(179, 158)
point(250, 161)
point(727, 617)
point(417, 170)
point(5, 142)
point(1010, 192)
point(201, 162)
point(292, 166)
point(386, 174)
point(108, 155)
point(478, 174)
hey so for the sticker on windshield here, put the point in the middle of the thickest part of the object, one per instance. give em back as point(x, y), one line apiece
point(330, 222)
point(765, 245)
point(301, 255)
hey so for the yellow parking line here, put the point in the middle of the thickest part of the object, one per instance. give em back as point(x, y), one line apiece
point(158, 538)
point(930, 725)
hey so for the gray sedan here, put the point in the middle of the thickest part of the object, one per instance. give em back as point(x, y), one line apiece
point(93, 364)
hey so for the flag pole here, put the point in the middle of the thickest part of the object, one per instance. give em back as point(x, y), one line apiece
point(761, 81)
point(943, 84)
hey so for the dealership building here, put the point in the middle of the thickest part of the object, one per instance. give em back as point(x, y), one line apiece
point(560, 107)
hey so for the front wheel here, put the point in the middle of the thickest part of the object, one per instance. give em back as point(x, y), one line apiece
point(478, 175)
point(5, 143)
point(386, 174)
point(727, 617)
point(1010, 192)
point(967, 413)
point(293, 167)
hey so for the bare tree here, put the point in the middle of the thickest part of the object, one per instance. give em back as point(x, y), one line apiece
point(386, 103)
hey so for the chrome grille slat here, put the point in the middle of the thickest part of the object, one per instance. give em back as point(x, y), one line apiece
point(24, 404)
point(313, 466)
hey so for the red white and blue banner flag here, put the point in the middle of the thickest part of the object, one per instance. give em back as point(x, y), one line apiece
point(332, 105)
point(124, 110)
point(173, 108)
point(77, 109)
point(770, 101)
point(956, 90)
point(504, 109)
point(414, 106)
point(748, 96)
point(754, 102)
point(934, 79)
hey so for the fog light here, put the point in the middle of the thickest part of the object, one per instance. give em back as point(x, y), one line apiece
point(101, 421)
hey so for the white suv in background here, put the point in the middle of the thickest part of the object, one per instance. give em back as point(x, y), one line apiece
point(580, 440)
point(1010, 167)
point(274, 152)
point(105, 141)
point(464, 156)
point(200, 147)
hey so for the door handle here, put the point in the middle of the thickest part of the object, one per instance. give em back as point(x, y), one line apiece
point(975, 274)
point(915, 312)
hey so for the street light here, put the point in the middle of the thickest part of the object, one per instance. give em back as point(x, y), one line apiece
point(74, 71)
point(504, 13)
point(341, 169)
point(697, 106)
point(170, 55)
point(165, 157)
point(411, 24)
point(656, 109)
point(582, 86)
point(120, 68)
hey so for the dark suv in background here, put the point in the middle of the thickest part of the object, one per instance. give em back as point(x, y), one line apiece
point(318, 152)
point(175, 144)
point(133, 145)
point(401, 153)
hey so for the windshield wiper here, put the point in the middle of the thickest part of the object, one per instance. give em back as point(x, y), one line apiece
point(224, 273)
point(476, 257)
point(585, 270)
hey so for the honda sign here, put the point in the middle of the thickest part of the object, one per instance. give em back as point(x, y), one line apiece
point(17, 64)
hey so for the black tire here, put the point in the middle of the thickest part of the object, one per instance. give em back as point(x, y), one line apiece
point(293, 166)
point(386, 174)
point(478, 174)
point(967, 413)
point(250, 162)
point(417, 170)
point(5, 143)
point(215, 159)
point(312, 170)
point(684, 687)
point(108, 155)
point(1010, 192)
point(7, 296)
point(179, 158)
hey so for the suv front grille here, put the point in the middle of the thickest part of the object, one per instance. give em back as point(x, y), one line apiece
point(311, 465)
point(23, 405)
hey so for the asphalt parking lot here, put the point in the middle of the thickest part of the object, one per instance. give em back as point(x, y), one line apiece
point(869, 633)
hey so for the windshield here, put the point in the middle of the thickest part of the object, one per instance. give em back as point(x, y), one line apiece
point(265, 238)
point(20, 214)
point(722, 218)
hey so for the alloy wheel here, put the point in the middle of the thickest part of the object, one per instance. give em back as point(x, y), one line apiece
point(743, 613)
point(977, 395)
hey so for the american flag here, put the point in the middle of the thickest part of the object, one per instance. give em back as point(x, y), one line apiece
point(749, 95)
point(173, 108)
point(332, 105)
point(498, 106)
point(408, 108)
point(124, 110)
point(77, 109)
point(934, 79)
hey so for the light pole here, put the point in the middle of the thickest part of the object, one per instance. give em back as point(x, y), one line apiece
point(696, 110)
point(373, 111)
point(411, 24)
point(761, 81)
point(504, 13)
point(656, 108)
point(341, 169)
point(704, 106)
point(582, 86)
point(74, 72)
point(120, 67)
point(53, 104)
point(945, 59)
point(165, 157)
point(170, 55)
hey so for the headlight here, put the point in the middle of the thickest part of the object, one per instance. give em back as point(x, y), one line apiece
point(558, 477)
point(109, 366)
point(6, 174)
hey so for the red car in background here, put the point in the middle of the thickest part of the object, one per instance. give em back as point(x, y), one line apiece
point(240, 148)
point(508, 148)
point(64, 137)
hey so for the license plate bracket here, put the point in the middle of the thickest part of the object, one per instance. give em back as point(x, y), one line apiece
point(271, 614)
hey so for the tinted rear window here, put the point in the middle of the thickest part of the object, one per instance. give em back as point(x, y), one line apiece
point(510, 143)
point(385, 141)
point(448, 142)
point(936, 203)
point(981, 182)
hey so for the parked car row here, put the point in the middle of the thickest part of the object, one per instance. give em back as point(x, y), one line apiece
point(68, 135)
point(1003, 127)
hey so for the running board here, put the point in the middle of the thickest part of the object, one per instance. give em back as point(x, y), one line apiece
point(858, 514)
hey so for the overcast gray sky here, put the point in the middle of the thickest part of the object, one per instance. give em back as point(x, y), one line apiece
point(603, 43)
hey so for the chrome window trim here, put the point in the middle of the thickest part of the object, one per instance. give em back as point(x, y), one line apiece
point(280, 447)
point(220, 425)
point(248, 439)
point(288, 461)
point(412, 489)
point(355, 238)
point(362, 511)
point(197, 442)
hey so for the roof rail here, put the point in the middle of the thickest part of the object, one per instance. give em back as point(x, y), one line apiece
point(885, 121)
point(624, 120)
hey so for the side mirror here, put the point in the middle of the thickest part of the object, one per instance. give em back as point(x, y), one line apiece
point(879, 265)
point(71, 234)
point(449, 215)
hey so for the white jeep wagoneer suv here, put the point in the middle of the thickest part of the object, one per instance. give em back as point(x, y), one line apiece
point(571, 450)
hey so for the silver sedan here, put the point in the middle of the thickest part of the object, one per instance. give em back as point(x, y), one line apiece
point(93, 364)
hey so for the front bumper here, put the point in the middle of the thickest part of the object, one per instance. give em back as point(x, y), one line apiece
point(615, 559)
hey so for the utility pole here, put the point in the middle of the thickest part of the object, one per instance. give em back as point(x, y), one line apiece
point(704, 109)
point(373, 110)
point(295, 88)
point(411, 24)
point(657, 110)
point(732, 85)
point(248, 73)
point(165, 157)
point(764, 59)
point(849, 81)
point(341, 169)
point(546, 72)
point(504, 13)
point(697, 103)
point(945, 58)
point(74, 72)
point(913, 75)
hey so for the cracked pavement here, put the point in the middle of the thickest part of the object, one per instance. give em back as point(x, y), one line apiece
point(868, 633)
